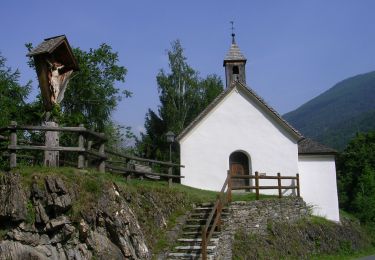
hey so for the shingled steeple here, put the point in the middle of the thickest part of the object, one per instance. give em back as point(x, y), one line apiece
point(234, 64)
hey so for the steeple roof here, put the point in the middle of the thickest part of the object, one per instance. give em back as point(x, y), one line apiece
point(234, 53)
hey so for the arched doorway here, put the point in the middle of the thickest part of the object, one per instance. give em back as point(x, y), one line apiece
point(240, 164)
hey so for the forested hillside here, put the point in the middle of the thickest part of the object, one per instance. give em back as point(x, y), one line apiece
point(335, 116)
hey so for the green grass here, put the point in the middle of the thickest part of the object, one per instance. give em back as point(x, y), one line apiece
point(346, 255)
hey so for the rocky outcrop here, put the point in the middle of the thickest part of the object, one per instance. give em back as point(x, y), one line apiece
point(40, 223)
point(13, 203)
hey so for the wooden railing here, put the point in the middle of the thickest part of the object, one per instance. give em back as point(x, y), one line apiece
point(86, 141)
point(91, 152)
point(141, 167)
point(213, 221)
point(258, 187)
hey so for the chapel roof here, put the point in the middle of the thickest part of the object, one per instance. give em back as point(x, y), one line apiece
point(307, 146)
point(249, 92)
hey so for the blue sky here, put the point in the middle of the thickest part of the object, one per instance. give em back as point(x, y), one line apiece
point(296, 49)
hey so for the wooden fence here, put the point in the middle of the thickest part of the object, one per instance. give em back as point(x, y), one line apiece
point(257, 177)
point(90, 151)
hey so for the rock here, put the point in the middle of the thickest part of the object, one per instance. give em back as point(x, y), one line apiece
point(83, 230)
point(60, 203)
point(122, 225)
point(13, 201)
point(41, 216)
point(103, 247)
point(55, 185)
point(28, 238)
point(57, 223)
point(36, 192)
point(16, 250)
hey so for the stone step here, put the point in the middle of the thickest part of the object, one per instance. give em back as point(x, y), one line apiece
point(202, 209)
point(197, 228)
point(205, 204)
point(194, 221)
point(193, 248)
point(206, 209)
point(196, 241)
point(206, 214)
point(195, 234)
point(172, 256)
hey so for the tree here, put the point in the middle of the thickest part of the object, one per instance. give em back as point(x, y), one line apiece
point(356, 172)
point(183, 95)
point(12, 95)
point(92, 95)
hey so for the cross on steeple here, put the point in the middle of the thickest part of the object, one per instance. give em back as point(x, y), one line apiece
point(233, 34)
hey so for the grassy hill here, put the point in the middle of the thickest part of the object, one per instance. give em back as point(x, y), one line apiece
point(335, 116)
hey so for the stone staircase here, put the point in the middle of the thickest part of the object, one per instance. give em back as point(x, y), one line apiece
point(189, 243)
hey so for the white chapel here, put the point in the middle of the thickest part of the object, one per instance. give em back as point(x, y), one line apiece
point(238, 131)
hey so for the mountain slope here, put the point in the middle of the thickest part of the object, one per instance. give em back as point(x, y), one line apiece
point(336, 115)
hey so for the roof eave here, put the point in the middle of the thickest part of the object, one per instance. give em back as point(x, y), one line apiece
point(317, 153)
point(234, 60)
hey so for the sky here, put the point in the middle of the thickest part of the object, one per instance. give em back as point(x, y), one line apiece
point(295, 49)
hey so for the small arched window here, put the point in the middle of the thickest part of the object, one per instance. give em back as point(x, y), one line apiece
point(236, 70)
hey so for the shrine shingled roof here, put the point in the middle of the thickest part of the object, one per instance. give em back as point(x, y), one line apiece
point(47, 46)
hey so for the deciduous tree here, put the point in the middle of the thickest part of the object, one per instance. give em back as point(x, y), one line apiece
point(183, 95)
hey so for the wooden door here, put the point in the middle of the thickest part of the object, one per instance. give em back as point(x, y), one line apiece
point(238, 169)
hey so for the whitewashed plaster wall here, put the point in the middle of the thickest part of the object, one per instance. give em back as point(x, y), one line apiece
point(318, 184)
point(237, 123)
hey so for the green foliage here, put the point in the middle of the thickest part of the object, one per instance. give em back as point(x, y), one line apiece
point(335, 116)
point(92, 95)
point(30, 213)
point(12, 95)
point(356, 174)
point(183, 95)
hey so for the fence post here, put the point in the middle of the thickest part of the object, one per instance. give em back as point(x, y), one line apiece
point(298, 188)
point(229, 186)
point(257, 185)
point(102, 152)
point(89, 145)
point(279, 184)
point(204, 244)
point(218, 210)
point(81, 144)
point(170, 172)
point(13, 142)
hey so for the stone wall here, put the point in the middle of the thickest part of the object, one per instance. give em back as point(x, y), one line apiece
point(253, 217)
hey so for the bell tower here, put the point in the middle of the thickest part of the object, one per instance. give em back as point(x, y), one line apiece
point(234, 63)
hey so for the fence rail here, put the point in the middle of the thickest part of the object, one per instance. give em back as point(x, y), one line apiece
point(258, 187)
point(91, 150)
